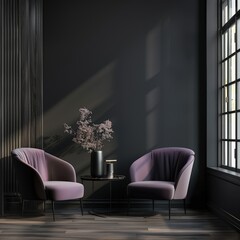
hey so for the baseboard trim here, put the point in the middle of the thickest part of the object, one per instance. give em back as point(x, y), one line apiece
point(225, 215)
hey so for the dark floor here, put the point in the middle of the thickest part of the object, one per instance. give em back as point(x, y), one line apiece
point(139, 224)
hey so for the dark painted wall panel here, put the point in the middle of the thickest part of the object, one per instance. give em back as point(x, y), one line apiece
point(223, 195)
point(20, 84)
point(133, 62)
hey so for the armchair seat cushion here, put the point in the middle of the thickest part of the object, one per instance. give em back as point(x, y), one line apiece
point(151, 190)
point(63, 190)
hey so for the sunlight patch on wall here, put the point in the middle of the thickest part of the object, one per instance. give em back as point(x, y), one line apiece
point(153, 68)
point(96, 94)
point(152, 99)
point(153, 52)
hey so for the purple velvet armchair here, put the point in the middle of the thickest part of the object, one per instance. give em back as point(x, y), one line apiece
point(42, 176)
point(162, 174)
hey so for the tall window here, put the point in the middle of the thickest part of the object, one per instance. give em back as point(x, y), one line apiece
point(229, 83)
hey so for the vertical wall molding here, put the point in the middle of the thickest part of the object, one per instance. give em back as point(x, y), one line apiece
point(21, 84)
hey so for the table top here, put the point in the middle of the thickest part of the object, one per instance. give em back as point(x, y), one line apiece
point(115, 178)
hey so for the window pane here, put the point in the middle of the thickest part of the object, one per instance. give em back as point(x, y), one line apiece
point(232, 97)
point(225, 72)
point(238, 4)
point(232, 44)
point(224, 127)
point(232, 147)
point(232, 8)
point(238, 155)
point(224, 99)
point(232, 69)
point(238, 96)
point(238, 128)
point(224, 153)
point(224, 12)
point(238, 34)
point(238, 65)
point(224, 45)
point(232, 126)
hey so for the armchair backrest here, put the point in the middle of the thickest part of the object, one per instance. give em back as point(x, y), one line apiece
point(30, 172)
point(162, 164)
point(168, 162)
point(35, 158)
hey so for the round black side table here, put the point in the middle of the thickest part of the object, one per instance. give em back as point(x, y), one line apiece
point(99, 179)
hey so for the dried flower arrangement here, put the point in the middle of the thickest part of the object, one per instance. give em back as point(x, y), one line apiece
point(88, 134)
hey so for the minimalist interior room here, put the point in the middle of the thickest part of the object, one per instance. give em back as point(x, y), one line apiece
point(120, 119)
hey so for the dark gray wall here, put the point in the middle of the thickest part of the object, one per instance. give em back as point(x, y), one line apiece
point(137, 63)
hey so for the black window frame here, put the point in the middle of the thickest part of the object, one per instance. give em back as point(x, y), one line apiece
point(225, 99)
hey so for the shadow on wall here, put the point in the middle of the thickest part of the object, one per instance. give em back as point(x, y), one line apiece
point(132, 106)
point(96, 95)
point(131, 65)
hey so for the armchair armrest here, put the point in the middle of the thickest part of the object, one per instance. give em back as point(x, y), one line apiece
point(183, 178)
point(141, 169)
point(60, 169)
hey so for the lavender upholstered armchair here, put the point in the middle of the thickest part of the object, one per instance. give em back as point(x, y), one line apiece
point(42, 176)
point(162, 174)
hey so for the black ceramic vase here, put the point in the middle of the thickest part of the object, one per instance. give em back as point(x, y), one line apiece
point(97, 164)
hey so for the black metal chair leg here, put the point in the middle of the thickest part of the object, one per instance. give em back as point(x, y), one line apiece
point(153, 207)
point(184, 205)
point(22, 206)
point(169, 209)
point(81, 205)
point(44, 206)
point(128, 207)
point(53, 210)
